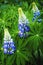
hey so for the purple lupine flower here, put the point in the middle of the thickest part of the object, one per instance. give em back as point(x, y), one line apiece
point(27, 28)
point(21, 34)
point(39, 20)
point(5, 50)
point(21, 28)
point(36, 11)
point(8, 44)
point(23, 24)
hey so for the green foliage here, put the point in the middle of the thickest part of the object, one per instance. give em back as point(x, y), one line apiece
point(28, 49)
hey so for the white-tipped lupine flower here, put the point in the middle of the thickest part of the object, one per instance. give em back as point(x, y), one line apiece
point(22, 17)
point(23, 23)
point(34, 8)
point(8, 45)
point(36, 12)
point(7, 36)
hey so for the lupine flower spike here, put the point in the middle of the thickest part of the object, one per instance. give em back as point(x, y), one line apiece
point(36, 12)
point(8, 44)
point(23, 24)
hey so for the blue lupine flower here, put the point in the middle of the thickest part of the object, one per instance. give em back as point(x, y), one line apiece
point(36, 14)
point(8, 46)
point(10, 52)
point(21, 34)
point(39, 20)
point(5, 50)
point(21, 28)
point(23, 24)
point(27, 28)
point(33, 18)
point(5, 46)
point(36, 11)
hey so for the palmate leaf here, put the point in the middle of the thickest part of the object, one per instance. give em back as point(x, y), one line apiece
point(10, 59)
point(21, 57)
point(17, 60)
point(32, 44)
point(21, 52)
point(35, 35)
